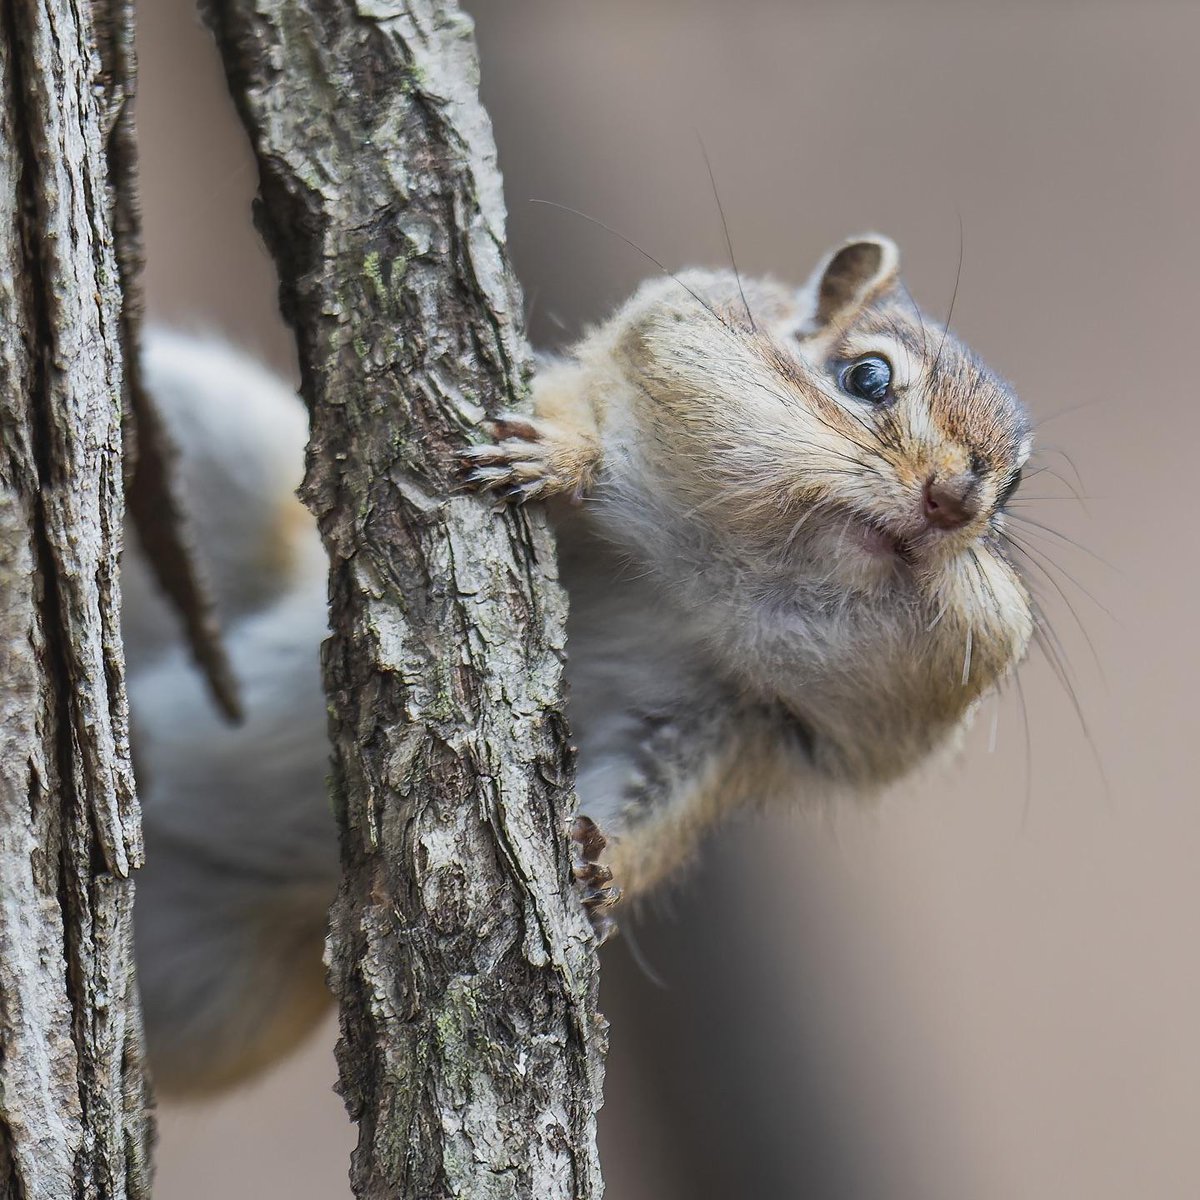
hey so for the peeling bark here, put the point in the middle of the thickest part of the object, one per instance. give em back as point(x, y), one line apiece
point(471, 1048)
point(73, 1099)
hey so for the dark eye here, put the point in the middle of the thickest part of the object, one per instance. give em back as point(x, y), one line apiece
point(868, 378)
point(1010, 489)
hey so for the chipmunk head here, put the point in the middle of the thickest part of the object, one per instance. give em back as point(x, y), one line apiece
point(942, 440)
point(836, 444)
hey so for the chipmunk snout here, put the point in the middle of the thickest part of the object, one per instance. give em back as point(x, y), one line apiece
point(950, 502)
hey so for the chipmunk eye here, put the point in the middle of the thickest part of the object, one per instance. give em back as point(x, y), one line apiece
point(1010, 489)
point(868, 378)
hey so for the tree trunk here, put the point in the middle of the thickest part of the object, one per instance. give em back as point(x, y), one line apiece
point(471, 1048)
point(73, 1100)
point(152, 495)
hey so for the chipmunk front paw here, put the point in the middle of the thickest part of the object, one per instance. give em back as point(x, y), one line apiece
point(530, 460)
point(594, 880)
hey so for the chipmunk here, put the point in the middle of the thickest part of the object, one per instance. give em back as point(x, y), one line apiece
point(779, 515)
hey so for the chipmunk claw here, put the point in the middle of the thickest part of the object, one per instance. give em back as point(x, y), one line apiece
point(516, 468)
point(594, 880)
point(528, 460)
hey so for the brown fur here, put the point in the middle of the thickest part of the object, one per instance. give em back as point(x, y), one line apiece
point(715, 445)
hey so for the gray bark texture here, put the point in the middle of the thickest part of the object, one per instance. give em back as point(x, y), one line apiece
point(74, 1115)
point(471, 1049)
point(155, 504)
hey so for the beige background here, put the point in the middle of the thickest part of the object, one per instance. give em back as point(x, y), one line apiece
point(990, 990)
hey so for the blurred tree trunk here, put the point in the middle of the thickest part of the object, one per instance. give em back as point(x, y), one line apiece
point(74, 1111)
point(471, 1048)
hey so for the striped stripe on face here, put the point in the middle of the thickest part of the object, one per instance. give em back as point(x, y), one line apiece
point(950, 413)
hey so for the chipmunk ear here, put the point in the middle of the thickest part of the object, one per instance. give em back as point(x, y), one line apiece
point(854, 274)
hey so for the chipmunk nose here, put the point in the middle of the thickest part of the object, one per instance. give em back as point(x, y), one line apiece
point(949, 502)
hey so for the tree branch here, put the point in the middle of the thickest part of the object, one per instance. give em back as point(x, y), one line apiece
point(73, 1101)
point(471, 1048)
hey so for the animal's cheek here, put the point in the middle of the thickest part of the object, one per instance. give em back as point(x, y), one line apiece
point(1015, 615)
point(1006, 600)
point(979, 594)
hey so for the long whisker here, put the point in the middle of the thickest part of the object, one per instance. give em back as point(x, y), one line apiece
point(940, 614)
point(1046, 469)
point(986, 591)
point(1071, 408)
point(644, 253)
point(1028, 752)
point(867, 429)
point(1041, 450)
point(1020, 500)
point(871, 432)
point(1025, 519)
point(840, 332)
point(1053, 653)
point(937, 358)
point(1051, 647)
point(728, 240)
point(920, 319)
point(1029, 552)
point(1029, 548)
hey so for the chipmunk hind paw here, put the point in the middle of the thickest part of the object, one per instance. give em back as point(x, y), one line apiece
point(594, 880)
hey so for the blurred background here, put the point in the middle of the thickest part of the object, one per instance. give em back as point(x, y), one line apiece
point(989, 989)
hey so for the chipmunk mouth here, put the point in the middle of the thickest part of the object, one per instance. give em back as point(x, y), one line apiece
point(847, 539)
point(877, 540)
point(861, 552)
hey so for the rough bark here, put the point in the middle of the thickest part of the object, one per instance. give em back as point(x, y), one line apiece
point(471, 1049)
point(155, 505)
point(73, 1102)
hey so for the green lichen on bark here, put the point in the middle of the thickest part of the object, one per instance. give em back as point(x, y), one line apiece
point(471, 1050)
